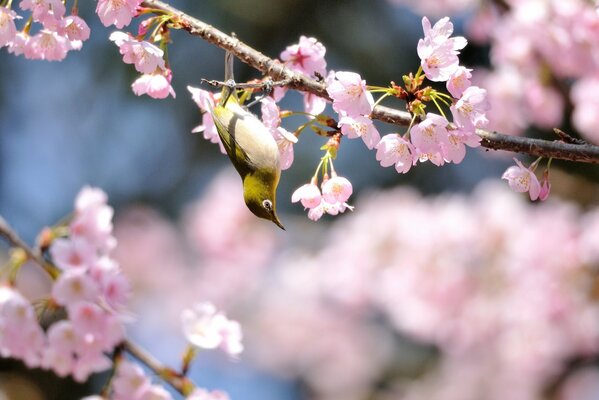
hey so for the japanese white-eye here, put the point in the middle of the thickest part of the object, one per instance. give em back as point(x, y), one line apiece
point(251, 148)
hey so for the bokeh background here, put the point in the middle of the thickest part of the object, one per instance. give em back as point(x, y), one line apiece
point(441, 284)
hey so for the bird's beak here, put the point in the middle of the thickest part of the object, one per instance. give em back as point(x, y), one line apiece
point(275, 219)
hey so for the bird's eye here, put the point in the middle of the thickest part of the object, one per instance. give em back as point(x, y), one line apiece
point(267, 204)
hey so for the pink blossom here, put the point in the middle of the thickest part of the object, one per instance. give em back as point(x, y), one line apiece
point(20, 44)
point(117, 12)
point(522, 180)
point(130, 381)
point(337, 189)
point(21, 337)
point(285, 141)
point(99, 330)
point(73, 286)
point(204, 327)
point(206, 101)
point(392, 149)
point(455, 150)
point(93, 219)
point(271, 116)
point(313, 104)
point(325, 207)
point(545, 105)
point(349, 94)
point(74, 28)
point(545, 187)
point(430, 135)
point(203, 394)
point(308, 194)
point(144, 55)
point(470, 110)
point(47, 45)
point(156, 85)
point(437, 51)
point(41, 8)
point(585, 97)
point(459, 81)
point(8, 30)
point(73, 253)
point(360, 126)
point(306, 57)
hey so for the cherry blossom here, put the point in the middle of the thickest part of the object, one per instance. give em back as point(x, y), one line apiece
point(204, 327)
point(144, 55)
point(360, 126)
point(309, 195)
point(117, 12)
point(206, 101)
point(285, 140)
point(437, 51)
point(470, 110)
point(156, 85)
point(349, 94)
point(430, 135)
point(8, 30)
point(337, 189)
point(306, 57)
point(522, 179)
point(43, 8)
point(47, 45)
point(459, 81)
point(392, 149)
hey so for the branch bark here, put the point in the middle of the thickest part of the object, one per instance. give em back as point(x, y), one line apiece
point(276, 70)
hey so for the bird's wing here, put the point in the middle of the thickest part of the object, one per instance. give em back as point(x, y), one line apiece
point(225, 122)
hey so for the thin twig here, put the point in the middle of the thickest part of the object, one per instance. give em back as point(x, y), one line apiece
point(278, 71)
point(181, 384)
point(10, 235)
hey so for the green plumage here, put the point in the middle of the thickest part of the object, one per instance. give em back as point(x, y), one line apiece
point(251, 148)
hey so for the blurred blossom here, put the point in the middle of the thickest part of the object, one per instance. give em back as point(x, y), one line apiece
point(204, 327)
point(501, 288)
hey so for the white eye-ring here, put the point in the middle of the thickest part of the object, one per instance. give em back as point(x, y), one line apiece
point(267, 204)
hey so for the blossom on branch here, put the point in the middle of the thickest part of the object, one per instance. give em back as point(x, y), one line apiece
point(8, 29)
point(117, 12)
point(206, 328)
point(392, 149)
point(522, 179)
point(437, 51)
point(349, 94)
point(156, 85)
point(144, 55)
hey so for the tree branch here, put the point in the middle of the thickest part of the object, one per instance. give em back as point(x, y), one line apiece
point(276, 70)
point(178, 382)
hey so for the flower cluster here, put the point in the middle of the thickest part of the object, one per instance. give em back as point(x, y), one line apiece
point(534, 72)
point(57, 35)
point(155, 80)
point(206, 328)
point(90, 288)
point(434, 139)
point(478, 299)
point(336, 190)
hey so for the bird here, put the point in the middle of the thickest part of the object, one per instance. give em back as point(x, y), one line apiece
point(251, 148)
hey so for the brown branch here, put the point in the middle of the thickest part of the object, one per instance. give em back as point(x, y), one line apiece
point(178, 382)
point(276, 70)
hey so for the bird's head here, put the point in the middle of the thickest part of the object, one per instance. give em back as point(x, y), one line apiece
point(259, 193)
